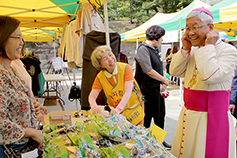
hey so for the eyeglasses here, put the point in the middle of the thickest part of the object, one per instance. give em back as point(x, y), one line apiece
point(17, 37)
point(195, 28)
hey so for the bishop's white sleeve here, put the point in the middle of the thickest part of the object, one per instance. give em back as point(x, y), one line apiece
point(179, 63)
point(215, 63)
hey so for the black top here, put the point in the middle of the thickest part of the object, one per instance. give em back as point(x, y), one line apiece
point(142, 78)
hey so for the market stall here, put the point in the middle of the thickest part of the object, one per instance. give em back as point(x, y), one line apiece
point(99, 136)
point(43, 21)
point(88, 135)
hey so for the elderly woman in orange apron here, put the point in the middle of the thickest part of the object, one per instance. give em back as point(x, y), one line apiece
point(120, 88)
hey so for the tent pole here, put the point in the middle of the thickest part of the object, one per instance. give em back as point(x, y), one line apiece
point(74, 77)
point(180, 38)
point(106, 23)
point(54, 49)
point(181, 103)
point(137, 43)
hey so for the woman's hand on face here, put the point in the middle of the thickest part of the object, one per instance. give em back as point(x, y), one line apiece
point(96, 111)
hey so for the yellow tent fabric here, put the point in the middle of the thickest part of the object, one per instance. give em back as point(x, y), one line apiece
point(37, 34)
point(228, 19)
point(229, 13)
point(41, 20)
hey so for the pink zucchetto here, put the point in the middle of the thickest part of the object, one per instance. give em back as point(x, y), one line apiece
point(204, 10)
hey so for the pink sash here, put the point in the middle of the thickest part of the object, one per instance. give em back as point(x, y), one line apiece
point(216, 104)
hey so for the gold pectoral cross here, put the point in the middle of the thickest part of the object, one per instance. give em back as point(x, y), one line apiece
point(192, 81)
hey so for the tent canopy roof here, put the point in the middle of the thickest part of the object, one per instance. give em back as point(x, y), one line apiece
point(225, 18)
point(224, 14)
point(40, 15)
point(168, 22)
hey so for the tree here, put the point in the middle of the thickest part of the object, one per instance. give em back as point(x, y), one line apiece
point(136, 11)
point(170, 6)
point(140, 11)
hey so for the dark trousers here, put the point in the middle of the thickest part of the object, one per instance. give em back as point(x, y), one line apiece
point(154, 107)
point(159, 121)
point(168, 68)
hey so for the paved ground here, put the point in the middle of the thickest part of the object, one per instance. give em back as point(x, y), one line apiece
point(173, 108)
point(172, 105)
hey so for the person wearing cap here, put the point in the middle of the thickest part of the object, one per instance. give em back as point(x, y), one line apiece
point(151, 78)
point(205, 126)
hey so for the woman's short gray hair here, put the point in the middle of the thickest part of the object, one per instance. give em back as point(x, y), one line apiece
point(97, 54)
point(204, 17)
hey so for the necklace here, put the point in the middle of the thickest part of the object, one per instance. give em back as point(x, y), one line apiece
point(193, 80)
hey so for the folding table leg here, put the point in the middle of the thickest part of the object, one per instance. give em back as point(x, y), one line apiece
point(61, 105)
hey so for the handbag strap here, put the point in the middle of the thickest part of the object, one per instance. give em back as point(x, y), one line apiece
point(17, 153)
point(9, 152)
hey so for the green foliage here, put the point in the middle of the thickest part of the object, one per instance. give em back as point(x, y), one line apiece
point(139, 11)
point(170, 6)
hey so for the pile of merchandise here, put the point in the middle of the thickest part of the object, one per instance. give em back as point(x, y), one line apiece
point(101, 137)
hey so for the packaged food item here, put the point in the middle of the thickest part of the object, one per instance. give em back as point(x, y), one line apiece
point(115, 151)
point(62, 125)
point(94, 135)
point(137, 148)
point(91, 126)
point(56, 152)
point(72, 151)
point(49, 128)
point(99, 137)
point(62, 131)
point(105, 143)
point(113, 132)
point(96, 117)
point(55, 142)
point(79, 126)
point(81, 139)
point(50, 135)
point(96, 153)
point(57, 117)
point(81, 114)
point(154, 147)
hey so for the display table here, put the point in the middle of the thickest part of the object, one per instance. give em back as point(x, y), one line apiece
point(73, 119)
point(102, 137)
point(55, 79)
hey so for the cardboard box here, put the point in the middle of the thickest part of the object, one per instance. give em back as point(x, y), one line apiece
point(57, 117)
